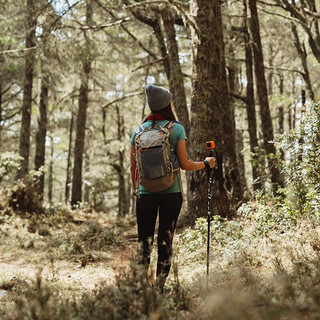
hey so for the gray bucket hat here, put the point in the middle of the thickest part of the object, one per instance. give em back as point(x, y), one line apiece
point(158, 98)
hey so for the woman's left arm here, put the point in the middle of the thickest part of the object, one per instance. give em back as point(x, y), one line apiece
point(133, 166)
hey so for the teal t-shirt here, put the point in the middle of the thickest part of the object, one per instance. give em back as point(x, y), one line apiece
point(178, 134)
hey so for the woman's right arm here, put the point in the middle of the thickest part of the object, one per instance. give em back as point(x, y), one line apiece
point(187, 164)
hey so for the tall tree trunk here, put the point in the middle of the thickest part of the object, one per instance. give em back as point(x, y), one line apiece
point(233, 70)
point(43, 103)
point(281, 119)
point(80, 134)
point(301, 140)
point(24, 143)
point(294, 117)
point(68, 178)
point(207, 103)
point(156, 25)
point(180, 101)
point(81, 120)
point(50, 173)
point(154, 21)
point(250, 104)
point(281, 83)
point(231, 168)
point(0, 112)
point(302, 52)
point(241, 163)
point(123, 191)
point(266, 121)
point(270, 73)
point(233, 85)
point(2, 60)
point(41, 133)
point(86, 196)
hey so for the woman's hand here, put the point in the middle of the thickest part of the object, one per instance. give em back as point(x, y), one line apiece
point(211, 161)
point(187, 164)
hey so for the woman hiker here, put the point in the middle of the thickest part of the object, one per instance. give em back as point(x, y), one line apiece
point(168, 202)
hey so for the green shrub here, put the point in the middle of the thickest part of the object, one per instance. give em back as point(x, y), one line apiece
point(222, 232)
point(9, 163)
point(268, 215)
point(302, 169)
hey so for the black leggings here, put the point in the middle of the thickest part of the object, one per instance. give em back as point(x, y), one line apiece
point(169, 206)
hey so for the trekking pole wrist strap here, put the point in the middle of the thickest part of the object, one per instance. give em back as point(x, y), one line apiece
point(207, 166)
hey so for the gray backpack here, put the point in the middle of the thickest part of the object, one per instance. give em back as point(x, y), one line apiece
point(157, 165)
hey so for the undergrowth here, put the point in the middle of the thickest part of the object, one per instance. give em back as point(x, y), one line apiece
point(264, 264)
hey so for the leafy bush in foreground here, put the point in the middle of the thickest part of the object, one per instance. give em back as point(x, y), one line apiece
point(131, 298)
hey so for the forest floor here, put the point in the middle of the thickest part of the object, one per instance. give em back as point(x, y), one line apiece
point(264, 261)
point(69, 253)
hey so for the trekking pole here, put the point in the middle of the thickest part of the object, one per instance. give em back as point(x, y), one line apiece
point(210, 147)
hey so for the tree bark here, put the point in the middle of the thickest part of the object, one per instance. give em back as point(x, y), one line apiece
point(68, 178)
point(233, 85)
point(24, 142)
point(270, 73)
point(231, 168)
point(43, 104)
point(123, 194)
point(156, 26)
point(42, 132)
point(241, 163)
point(266, 121)
point(180, 101)
point(86, 196)
point(302, 52)
point(76, 196)
point(80, 134)
point(50, 173)
point(0, 112)
point(207, 105)
point(250, 103)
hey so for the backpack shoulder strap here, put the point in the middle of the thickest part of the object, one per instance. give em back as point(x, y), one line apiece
point(169, 124)
point(138, 129)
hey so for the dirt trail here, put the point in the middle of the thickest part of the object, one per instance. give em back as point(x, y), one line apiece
point(69, 273)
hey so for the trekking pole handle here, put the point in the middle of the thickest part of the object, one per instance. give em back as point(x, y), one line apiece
point(210, 147)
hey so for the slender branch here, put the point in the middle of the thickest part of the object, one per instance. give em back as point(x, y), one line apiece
point(284, 69)
point(12, 115)
point(17, 50)
point(98, 27)
point(289, 7)
point(70, 7)
point(11, 97)
point(150, 63)
point(312, 13)
point(279, 15)
point(269, 3)
point(144, 3)
point(122, 98)
point(6, 126)
point(6, 90)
